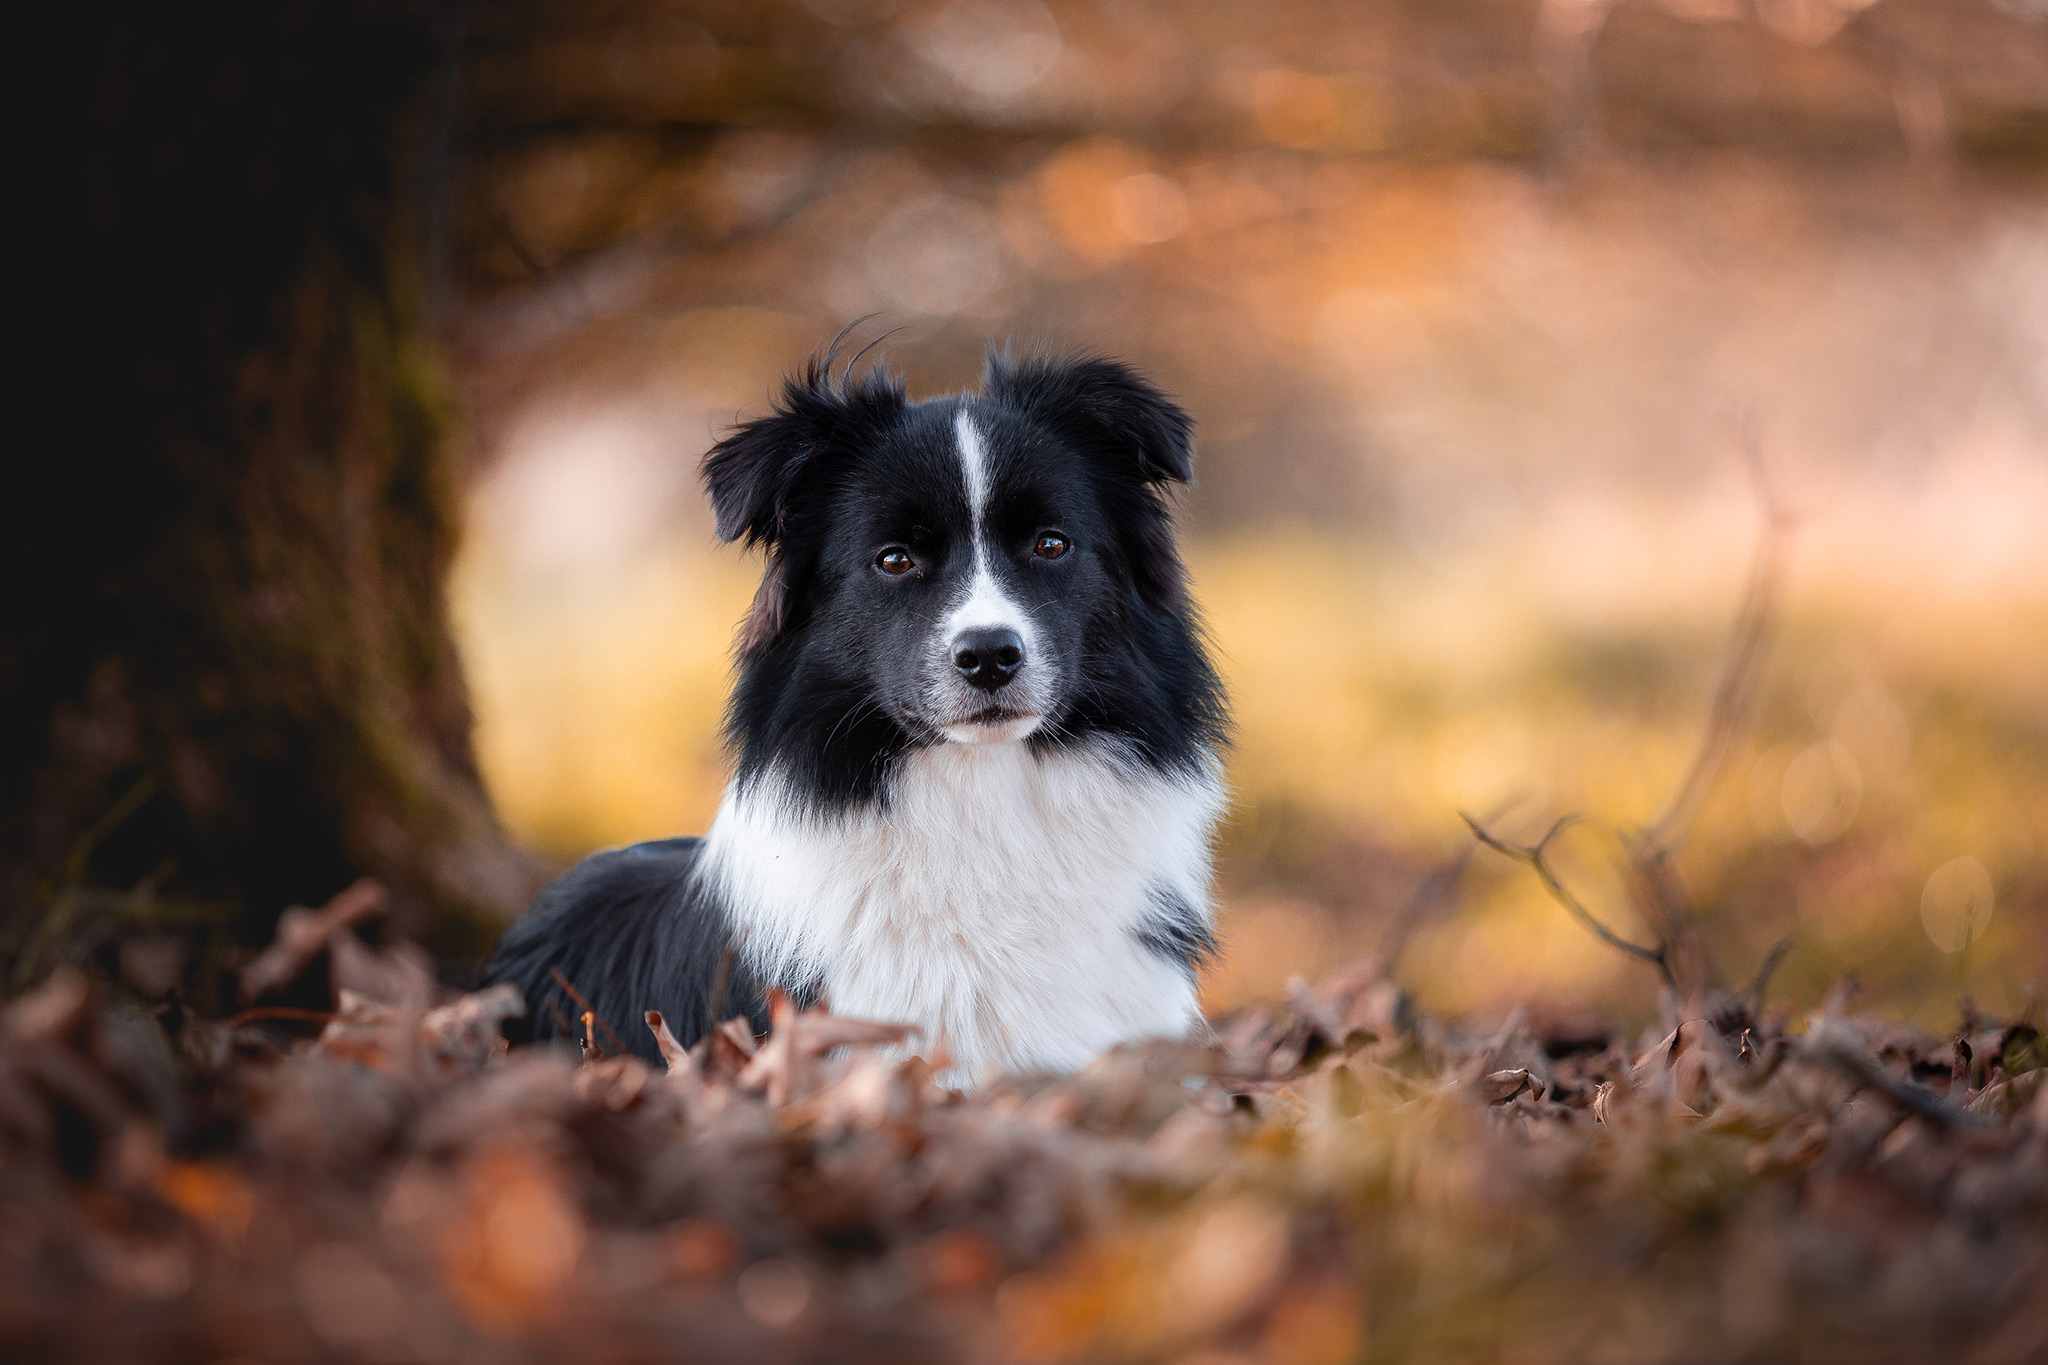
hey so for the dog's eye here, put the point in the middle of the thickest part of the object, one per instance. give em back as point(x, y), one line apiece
point(895, 562)
point(1051, 545)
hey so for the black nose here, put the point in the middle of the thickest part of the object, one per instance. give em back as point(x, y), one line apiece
point(988, 656)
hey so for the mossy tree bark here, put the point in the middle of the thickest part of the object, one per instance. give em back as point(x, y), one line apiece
point(231, 683)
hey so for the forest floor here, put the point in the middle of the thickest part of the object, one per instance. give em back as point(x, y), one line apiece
point(1334, 1177)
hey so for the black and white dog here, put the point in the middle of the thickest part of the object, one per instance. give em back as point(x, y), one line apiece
point(976, 737)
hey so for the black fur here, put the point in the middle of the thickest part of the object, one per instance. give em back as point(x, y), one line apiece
point(632, 932)
point(1177, 933)
point(828, 689)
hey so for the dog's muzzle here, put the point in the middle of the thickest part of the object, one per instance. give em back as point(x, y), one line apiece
point(990, 688)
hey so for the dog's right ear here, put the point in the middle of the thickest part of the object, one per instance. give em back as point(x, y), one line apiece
point(752, 472)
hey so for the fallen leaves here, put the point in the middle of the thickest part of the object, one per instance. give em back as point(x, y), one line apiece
point(509, 1252)
point(1341, 1175)
point(303, 935)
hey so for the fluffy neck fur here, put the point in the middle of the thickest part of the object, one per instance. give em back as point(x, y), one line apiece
point(1011, 904)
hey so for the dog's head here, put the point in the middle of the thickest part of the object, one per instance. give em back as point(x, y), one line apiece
point(994, 568)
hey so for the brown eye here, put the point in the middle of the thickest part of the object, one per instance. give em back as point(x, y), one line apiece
point(895, 563)
point(1051, 545)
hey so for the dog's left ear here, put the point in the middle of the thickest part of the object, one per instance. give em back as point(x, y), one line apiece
point(1102, 404)
point(753, 472)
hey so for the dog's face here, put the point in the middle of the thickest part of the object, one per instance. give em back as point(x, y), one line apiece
point(963, 564)
point(987, 569)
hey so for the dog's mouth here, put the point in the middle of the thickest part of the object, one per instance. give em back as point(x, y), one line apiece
point(991, 725)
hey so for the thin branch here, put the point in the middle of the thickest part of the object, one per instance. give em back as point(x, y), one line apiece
point(1660, 892)
point(588, 1012)
point(1432, 893)
point(1437, 889)
point(1766, 970)
point(1537, 857)
point(1661, 897)
point(1834, 1045)
point(1740, 671)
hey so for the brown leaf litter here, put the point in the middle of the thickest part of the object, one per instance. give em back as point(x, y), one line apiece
point(1339, 1178)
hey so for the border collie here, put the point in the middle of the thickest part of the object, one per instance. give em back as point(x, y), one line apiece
point(974, 729)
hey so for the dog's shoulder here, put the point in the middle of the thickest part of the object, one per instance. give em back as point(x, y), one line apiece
point(630, 929)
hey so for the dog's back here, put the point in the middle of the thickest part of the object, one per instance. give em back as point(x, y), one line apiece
point(630, 932)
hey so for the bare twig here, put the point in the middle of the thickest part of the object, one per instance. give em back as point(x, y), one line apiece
point(1766, 970)
point(1536, 855)
point(589, 1015)
point(1660, 895)
point(1837, 1046)
point(1651, 849)
point(1740, 672)
point(1433, 892)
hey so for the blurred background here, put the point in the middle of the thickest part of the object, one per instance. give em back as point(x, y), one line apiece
point(1481, 309)
point(368, 569)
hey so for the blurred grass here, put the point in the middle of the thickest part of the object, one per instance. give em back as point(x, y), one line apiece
point(1900, 743)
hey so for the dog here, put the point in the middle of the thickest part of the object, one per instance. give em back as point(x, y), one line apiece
point(975, 730)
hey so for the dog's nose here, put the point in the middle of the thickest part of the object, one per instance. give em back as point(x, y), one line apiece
point(988, 656)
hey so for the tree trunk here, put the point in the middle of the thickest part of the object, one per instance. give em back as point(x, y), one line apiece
point(230, 679)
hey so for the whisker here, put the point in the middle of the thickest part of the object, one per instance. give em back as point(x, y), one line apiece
point(852, 716)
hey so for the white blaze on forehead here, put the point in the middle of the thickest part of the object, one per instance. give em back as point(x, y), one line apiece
point(974, 465)
point(985, 603)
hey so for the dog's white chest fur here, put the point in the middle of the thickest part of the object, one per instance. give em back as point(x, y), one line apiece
point(997, 903)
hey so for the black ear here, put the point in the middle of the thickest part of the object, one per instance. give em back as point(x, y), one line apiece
point(1100, 403)
point(750, 474)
